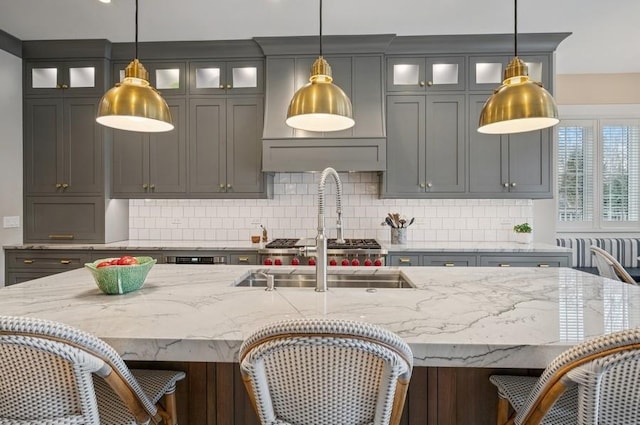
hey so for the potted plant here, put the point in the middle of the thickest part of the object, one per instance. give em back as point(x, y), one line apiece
point(523, 233)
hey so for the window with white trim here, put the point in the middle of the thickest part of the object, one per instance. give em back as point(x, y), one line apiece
point(598, 175)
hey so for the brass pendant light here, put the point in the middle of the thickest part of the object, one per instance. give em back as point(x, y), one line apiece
point(320, 105)
point(519, 104)
point(134, 104)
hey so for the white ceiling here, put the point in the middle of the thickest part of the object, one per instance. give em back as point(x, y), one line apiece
point(604, 40)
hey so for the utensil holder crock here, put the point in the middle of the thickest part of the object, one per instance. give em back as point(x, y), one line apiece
point(398, 235)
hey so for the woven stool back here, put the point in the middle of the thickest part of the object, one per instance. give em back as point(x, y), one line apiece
point(326, 372)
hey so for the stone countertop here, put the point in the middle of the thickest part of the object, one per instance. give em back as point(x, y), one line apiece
point(417, 246)
point(456, 317)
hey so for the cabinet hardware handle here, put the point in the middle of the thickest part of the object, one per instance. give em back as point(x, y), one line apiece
point(221, 86)
point(513, 184)
point(58, 86)
point(65, 185)
point(243, 259)
point(27, 261)
point(449, 264)
point(430, 83)
point(404, 260)
point(229, 86)
point(145, 186)
point(505, 265)
point(152, 186)
point(65, 237)
point(421, 83)
point(228, 185)
point(505, 184)
point(65, 261)
point(64, 86)
point(58, 185)
point(543, 265)
point(429, 185)
point(422, 185)
point(221, 186)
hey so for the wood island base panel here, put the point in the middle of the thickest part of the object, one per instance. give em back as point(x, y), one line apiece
point(462, 324)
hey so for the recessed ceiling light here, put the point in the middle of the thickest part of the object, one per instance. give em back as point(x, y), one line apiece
point(105, 1)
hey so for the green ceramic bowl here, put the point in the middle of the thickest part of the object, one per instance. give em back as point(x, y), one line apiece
point(120, 279)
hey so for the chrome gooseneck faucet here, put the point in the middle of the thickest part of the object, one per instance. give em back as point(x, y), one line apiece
point(321, 239)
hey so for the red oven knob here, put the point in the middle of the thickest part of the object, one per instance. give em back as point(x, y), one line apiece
point(333, 262)
point(268, 261)
point(367, 262)
point(355, 262)
point(378, 262)
point(312, 261)
point(278, 262)
point(345, 262)
point(295, 261)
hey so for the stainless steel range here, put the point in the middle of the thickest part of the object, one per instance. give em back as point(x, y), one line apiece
point(351, 252)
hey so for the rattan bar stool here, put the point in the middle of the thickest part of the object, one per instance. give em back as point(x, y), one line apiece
point(595, 382)
point(609, 267)
point(51, 373)
point(324, 372)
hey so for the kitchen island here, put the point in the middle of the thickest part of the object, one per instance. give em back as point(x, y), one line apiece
point(461, 323)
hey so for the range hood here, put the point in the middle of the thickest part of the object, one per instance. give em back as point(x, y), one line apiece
point(288, 65)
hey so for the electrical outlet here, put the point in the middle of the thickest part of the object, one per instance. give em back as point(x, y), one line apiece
point(11, 221)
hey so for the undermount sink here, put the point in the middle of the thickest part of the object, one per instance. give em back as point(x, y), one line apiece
point(307, 279)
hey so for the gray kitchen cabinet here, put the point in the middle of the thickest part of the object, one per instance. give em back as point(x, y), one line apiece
point(225, 147)
point(67, 219)
point(63, 146)
point(449, 260)
point(425, 145)
point(420, 73)
point(149, 165)
point(529, 260)
point(226, 77)
point(508, 166)
point(482, 259)
point(22, 264)
point(65, 170)
point(84, 77)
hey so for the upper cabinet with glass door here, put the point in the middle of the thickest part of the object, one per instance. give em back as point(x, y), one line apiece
point(82, 77)
point(220, 77)
point(420, 74)
point(487, 72)
point(169, 78)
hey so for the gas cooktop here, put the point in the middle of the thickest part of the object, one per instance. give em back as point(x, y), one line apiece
point(331, 243)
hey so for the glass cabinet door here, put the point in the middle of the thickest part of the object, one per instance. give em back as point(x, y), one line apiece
point(487, 72)
point(51, 78)
point(418, 74)
point(241, 77)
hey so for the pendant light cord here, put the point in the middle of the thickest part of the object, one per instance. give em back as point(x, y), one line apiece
point(515, 27)
point(320, 27)
point(136, 29)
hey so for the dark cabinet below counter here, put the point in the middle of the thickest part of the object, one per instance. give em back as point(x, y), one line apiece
point(22, 265)
point(482, 259)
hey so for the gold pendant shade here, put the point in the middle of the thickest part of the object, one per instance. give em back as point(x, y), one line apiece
point(134, 104)
point(320, 105)
point(518, 105)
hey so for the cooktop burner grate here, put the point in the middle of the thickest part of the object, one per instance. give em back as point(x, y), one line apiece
point(331, 243)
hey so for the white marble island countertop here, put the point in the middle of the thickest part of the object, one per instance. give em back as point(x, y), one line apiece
point(457, 317)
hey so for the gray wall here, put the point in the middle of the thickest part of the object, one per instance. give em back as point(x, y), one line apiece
point(10, 149)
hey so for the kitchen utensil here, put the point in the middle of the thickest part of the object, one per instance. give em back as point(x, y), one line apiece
point(411, 221)
point(402, 222)
point(396, 219)
point(389, 222)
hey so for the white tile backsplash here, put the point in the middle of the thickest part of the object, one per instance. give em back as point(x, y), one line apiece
point(293, 213)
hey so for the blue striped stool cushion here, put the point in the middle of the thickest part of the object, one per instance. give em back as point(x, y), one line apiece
point(626, 250)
